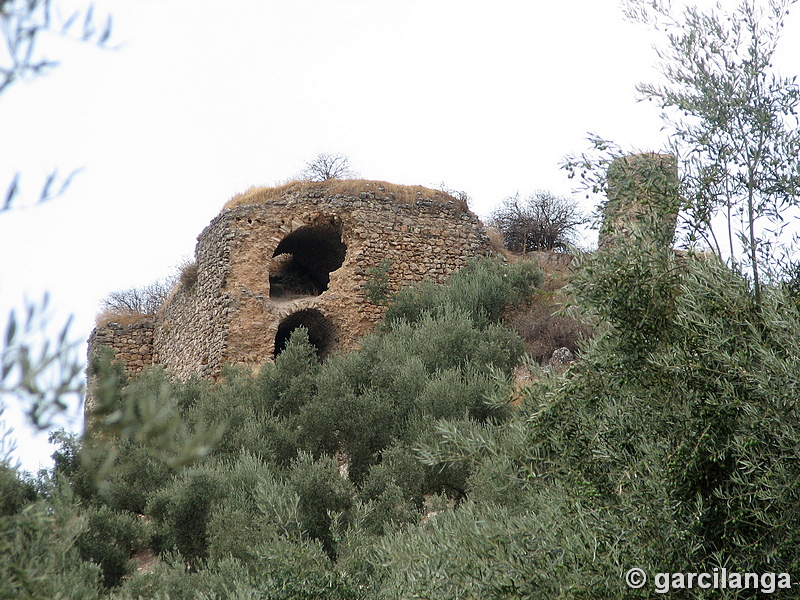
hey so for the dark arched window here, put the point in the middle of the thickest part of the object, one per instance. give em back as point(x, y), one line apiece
point(320, 331)
point(303, 261)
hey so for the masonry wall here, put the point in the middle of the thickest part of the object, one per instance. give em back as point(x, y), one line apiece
point(191, 332)
point(132, 344)
point(232, 314)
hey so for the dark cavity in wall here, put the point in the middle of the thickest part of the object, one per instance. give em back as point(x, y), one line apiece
point(303, 261)
point(319, 327)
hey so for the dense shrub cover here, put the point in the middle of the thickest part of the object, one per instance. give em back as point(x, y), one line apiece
point(402, 470)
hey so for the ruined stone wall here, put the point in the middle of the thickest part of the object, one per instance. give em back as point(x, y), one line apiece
point(423, 239)
point(273, 262)
point(550, 261)
point(191, 331)
point(278, 258)
point(132, 344)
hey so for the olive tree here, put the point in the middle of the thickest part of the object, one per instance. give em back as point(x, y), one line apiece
point(40, 374)
point(43, 372)
point(22, 23)
point(733, 120)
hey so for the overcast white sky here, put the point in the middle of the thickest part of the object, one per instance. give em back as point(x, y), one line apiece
point(202, 100)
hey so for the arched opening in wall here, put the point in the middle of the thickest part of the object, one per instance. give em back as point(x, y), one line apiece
point(303, 261)
point(320, 331)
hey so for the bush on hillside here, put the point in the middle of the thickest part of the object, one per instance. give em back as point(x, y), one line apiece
point(483, 289)
point(16, 491)
point(437, 367)
point(675, 433)
point(318, 460)
point(109, 540)
point(544, 329)
point(125, 488)
point(38, 556)
point(181, 512)
point(323, 494)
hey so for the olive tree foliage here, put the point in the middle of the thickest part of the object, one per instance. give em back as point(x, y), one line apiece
point(734, 123)
point(146, 412)
point(326, 166)
point(41, 373)
point(22, 23)
point(671, 444)
point(542, 221)
point(41, 370)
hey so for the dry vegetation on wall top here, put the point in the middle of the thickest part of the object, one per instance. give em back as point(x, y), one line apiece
point(401, 194)
point(135, 305)
point(121, 317)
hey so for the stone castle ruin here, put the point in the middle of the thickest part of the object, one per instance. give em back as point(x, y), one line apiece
point(276, 259)
point(300, 255)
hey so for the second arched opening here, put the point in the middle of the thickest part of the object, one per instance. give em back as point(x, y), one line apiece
point(320, 331)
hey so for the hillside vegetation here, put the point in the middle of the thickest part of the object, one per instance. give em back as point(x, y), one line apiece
point(402, 470)
point(422, 466)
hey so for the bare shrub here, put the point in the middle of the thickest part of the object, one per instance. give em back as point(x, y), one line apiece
point(145, 300)
point(462, 198)
point(134, 304)
point(542, 221)
point(544, 329)
point(325, 167)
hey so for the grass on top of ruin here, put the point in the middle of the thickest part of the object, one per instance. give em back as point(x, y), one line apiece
point(402, 194)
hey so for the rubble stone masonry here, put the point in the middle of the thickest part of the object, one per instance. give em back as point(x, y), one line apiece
point(132, 344)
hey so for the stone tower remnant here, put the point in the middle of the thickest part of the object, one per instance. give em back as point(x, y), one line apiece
point(644, 190)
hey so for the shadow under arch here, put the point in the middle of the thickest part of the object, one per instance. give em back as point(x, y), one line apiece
point(321, 331)
point(303, 261)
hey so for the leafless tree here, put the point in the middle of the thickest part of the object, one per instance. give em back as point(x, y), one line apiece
point(542, 221)
point(326, 166)
point(143, 301)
